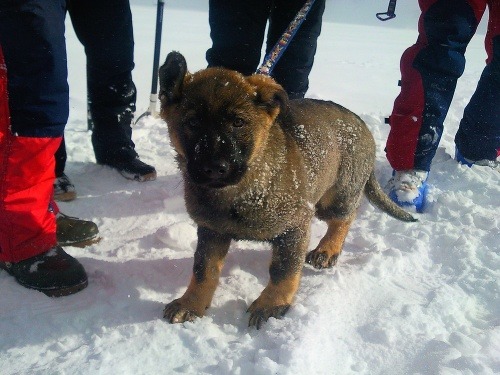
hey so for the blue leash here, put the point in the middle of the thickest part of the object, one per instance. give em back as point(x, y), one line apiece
point(279, 48)
point(275, 54)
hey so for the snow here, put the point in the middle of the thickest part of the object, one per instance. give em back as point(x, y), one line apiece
point(420, 298)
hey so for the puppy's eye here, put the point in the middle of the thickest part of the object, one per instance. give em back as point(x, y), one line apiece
point(238, 122)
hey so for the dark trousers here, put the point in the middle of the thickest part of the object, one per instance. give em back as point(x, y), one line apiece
point(237, 30)
point(478, 136)
point(32, 38)
point(34, 105)
point(105, 30)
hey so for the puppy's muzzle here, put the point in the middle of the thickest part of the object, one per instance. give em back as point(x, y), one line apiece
point(215, 170)
point(215, 161)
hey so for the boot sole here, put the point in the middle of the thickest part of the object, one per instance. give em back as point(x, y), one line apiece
point(132, 176)
point(65, 197)
point(62, 292)
point(137, 177)
point(82, 243)
point(52, 292)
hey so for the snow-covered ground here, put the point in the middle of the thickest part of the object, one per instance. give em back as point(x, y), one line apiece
point(417, 298)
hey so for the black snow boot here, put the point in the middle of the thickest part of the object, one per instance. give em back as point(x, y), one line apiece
point(127, 162)
point(54, 273)
point(71, 231)
point(64, 190)
point(111, 111)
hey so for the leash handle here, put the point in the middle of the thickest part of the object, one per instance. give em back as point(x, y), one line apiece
point(390, 12)
point(275, 54)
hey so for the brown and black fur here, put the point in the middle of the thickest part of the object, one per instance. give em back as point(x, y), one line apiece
point(257, 166)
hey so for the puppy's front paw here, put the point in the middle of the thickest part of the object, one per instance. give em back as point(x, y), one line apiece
point(175, 312)
point(319, 259)
point(260, 315)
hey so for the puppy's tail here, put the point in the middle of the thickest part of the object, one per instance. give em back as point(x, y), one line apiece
point(378, 198)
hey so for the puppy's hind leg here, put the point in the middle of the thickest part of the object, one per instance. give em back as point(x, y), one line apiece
point(208, 262)
point(285, 271)
point(330, 246)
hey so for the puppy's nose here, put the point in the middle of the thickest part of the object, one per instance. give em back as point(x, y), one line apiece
point(216, 169)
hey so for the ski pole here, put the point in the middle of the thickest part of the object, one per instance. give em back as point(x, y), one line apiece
point(156, 63)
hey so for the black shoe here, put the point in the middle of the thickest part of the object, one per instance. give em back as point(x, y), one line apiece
point(72, 231)
point(127, 162)
point(64, 190)
point(54, 273)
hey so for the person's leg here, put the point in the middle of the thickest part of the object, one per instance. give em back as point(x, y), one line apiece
point(32, 119)
point(27, 227)
point(429, 72)
point(237, 30)
point(64, 190)
point(32, 40)
point(61, 157)
point(478, 136)
point(292, 70)
point(106, 32)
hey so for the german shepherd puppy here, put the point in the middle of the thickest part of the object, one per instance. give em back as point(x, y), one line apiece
point(257, 166)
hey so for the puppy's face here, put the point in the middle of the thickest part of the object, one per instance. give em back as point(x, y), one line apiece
point(218, 119)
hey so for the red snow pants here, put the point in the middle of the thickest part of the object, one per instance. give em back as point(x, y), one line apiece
point(27, 224)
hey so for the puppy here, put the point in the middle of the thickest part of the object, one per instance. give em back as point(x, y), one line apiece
point(257, 166)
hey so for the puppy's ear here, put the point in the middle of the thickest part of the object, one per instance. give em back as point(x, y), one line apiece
point(171, 76)
point(270, 94)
